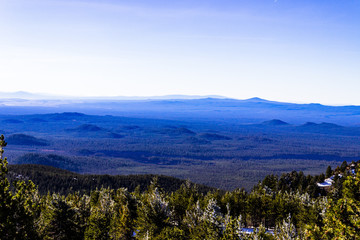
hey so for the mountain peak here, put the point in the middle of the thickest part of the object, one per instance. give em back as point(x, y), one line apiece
point(275, 122)
point(256, 99)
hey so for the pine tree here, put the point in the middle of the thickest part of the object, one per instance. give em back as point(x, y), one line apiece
point(260, 234)
point(81, 206)
point(18, 209)
point(63, 220)
point(5, 194)
point(342, 217)
point(154, 213)
point(286, 230)
point(102, 209)
point(122, 223)
point(233, 228)
point(328, 172)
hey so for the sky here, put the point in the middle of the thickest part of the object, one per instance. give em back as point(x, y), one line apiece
point(283, 50)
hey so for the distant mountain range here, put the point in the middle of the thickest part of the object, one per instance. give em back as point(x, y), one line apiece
point(43, 96)
point(182, 107)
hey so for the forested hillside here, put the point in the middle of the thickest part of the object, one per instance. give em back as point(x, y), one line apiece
point(56, 180)
point(221, 154)
point(277, 208)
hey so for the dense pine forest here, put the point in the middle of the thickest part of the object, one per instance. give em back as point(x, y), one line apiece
point(227, 154)
point(51, 179)
point(285, 207)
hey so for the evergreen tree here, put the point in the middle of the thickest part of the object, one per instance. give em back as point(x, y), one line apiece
point(328, 172)
point(122, 223)
point(342, 217)
point(81, 205)
point(236, 201)
point(343, 166)
point(18, 209)
point(233, 228)
point(5, 195)
point(154, 213)
point(182, 200)
point(99, 221)
point(286, 231)
point(193, 220)
point(63, 220)
point(260, 234)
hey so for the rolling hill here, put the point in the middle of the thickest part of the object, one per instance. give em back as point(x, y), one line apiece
point(52, 179)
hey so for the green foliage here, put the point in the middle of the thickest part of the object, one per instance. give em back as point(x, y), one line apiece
point(283, 204)
point(294, 182)
point(286, 230)
point(62, 222)
point(328, 172)
point(122, 223)
point(56, 180)
point(342, 217)
point(18, 208)
point(102, 209)
point(168, 148)
point(154, 213)
point(232, 229)
point(260, 234)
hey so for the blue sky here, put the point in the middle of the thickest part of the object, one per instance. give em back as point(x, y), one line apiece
point(297, 51)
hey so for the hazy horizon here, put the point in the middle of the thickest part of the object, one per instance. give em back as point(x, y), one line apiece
point(24, 95)
point(288, 51)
